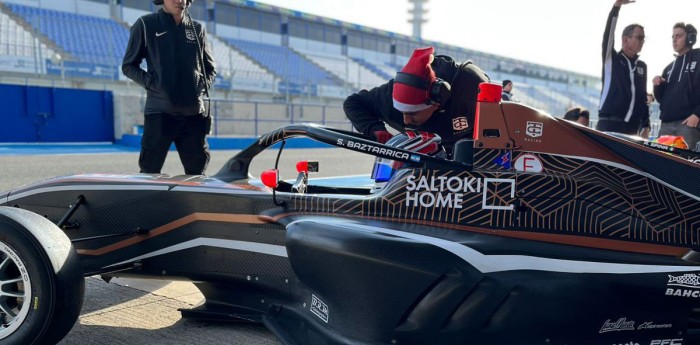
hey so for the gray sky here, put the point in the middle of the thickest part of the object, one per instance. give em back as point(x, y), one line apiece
point(566, 34)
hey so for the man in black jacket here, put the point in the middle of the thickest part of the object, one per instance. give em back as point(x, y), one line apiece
point(180, 72)
point(678, 88)
point(623, 106)
point(431, 93)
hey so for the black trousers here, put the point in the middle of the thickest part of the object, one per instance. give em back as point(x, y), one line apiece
point(187, 132)
point(608, 125)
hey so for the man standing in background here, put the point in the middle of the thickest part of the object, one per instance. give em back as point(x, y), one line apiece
point(507, 94)
point(180, 72)
point(623, 106)
point(678, 88)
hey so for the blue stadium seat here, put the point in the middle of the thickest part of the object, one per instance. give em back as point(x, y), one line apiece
point(285, 63)
point(87, 39)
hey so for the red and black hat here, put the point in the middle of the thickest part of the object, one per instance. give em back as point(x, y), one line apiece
point(409, 97)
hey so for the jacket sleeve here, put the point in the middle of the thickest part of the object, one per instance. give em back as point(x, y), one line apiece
point(609, 34)
point(695, 86)
point(135, 53)
point(209, 64)
point(367, 109)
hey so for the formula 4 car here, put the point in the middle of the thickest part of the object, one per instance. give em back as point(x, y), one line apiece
point(536, 231)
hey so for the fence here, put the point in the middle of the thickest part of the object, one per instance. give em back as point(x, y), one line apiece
point(236, 118)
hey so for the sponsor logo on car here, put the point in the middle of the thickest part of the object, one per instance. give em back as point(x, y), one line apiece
point(319, 308)
point(460, 123)
point(534, 129)
point(678, 341)
point(504, 160)
point(615, 326)
point(651, 325)
point(689, 285)
point(449, 191)
point(528, 163)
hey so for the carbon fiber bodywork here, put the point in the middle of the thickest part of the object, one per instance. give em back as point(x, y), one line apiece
point(548, 233)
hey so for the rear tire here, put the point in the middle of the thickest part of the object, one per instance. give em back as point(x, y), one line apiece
point(41, 281)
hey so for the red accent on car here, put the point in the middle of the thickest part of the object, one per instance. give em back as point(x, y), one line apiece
point(270, 178)
point(489, 92)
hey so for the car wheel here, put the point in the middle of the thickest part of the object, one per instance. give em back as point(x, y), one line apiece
point(41, 282)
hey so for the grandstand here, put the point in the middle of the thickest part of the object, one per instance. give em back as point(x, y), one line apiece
point(275, 65)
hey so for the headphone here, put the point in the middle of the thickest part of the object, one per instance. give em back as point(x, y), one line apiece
point(438, 92)
point(691, 35)
point(160, 2)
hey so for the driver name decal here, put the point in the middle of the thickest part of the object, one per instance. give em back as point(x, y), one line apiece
point(373, 149)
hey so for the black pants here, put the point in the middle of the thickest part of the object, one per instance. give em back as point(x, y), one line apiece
point(187, 132)
point(608, 125)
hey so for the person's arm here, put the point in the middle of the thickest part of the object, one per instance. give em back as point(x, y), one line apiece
point(646, 115)
point(694, 119)
point(659, 87)
point(209, 65)
point(609, 34)
point(135, 53)
point(367, 109)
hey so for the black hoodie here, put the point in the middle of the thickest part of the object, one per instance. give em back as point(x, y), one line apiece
point(624, 94)
point(370, 110)
point(679, 96)
point(175, 81)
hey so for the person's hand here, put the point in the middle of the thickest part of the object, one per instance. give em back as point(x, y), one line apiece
point(645, 133)
point(692, 121)
point(658, 80)
point(382, 136)
point(623, 2)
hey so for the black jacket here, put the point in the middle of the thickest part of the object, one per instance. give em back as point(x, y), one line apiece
point(623, 98)
point(679, 96)
point(370, 110)
point(175, 81)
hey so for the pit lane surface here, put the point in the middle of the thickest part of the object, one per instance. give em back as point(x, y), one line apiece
point(136, 311)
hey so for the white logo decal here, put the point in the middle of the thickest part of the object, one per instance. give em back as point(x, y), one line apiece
point(692, 66)
point(651, 325)
point(460, 123)
point(319, 308)
point(498, 180)
point(534, 129)
point(158, 34)
point(426, 192)
point(190, 35)
point(628, 343)
point(620, 325)
point(640, 70)
point(683, 293)
point(372, 149)
point(678, 341)
point(443, 191)
point(528, 163)
point(689, 280)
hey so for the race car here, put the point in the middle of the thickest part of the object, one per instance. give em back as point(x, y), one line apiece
point(536, 231)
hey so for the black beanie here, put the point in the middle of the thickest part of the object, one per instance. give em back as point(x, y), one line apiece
point(506, 82)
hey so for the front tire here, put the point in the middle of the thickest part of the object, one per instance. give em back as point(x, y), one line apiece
point(41, 281)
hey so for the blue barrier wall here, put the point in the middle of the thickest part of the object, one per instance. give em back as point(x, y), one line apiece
point(42, 114)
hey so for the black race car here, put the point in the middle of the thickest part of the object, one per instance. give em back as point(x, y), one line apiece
point(537, 231)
